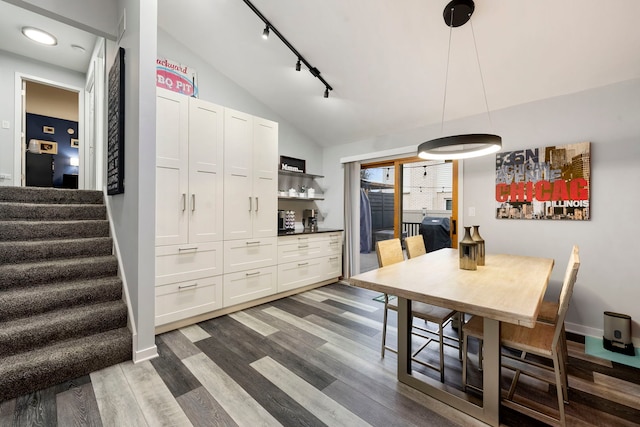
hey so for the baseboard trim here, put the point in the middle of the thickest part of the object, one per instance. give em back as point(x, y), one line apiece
point(592, 332)
point(142, 355)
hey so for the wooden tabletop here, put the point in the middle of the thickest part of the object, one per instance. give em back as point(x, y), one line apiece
point(508, 288)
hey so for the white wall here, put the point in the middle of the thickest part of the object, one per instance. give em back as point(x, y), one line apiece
point(99, 17)
point(219, 89)
point(10, 64)
point(608, 117)
point(133, 212)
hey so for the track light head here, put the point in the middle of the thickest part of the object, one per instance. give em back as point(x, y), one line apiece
point(326, 92)
point(298, 65)
point(265, 33)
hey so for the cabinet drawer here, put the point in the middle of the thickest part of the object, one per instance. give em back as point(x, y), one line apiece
point(300, 248)
point(333, 247)
point(178, 263)
point(185, 299)
point(249, 285)
point(331, 267)
point(240, 255)
point(293, 275)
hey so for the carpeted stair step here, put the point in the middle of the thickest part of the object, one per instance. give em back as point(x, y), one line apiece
point(24, 302)
point(50, 212)
point(20, 335)
point(50, 195)
point(35, 251)
point(30, 274)
point(40, 230)
point(47, 366)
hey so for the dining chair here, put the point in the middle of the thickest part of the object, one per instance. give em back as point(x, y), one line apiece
point(543, 340)
point(415, 247)
point(390, 252)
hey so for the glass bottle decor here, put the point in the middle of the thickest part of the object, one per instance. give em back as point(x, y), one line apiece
point(480, 241)
point(468, 251)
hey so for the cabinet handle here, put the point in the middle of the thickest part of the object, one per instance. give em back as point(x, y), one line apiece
point(256, 242)
point(302, 246)
point(250, 205)
point(255, 273)
point(300, 264)
point(184, 202)
point(333, 258)
point(193, 248)
point(193, 202)
point(256, 204)
point(181, 287)
point(334, 243)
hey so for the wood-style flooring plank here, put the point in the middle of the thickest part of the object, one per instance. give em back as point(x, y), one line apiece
point(37, 408)
point(154, 398)
point(280, 405)
point(194, 333)
point(326, 334)
point(116, 401)
point(203, 410)
point(242, 408)
point(346, 300)
point(326, 409)
point(320, 305)
point(179, 344)
point(366, 408)
point(299, 334)
point(78, 407)
point(178, 379)
point(259, 326)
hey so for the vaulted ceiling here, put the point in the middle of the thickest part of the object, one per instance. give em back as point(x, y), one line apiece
point(386, 60)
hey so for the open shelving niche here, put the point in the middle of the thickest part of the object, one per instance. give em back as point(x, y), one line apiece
point(287, 180)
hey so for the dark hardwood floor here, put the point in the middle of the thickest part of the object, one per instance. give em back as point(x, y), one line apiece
point(307, 360)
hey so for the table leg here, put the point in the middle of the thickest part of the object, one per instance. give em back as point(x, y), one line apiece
point(491, 374)
point(404, 336)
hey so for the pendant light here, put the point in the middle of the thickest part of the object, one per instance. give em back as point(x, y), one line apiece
point(456, 14)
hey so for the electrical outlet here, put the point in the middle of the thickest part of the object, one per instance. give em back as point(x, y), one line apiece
point(472, 211)
point(6, 124)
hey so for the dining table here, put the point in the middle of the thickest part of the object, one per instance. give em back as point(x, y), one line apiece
point(508, 288)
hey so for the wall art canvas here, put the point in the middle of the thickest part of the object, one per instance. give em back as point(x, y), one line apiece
point(544, 183)
point(176, 77)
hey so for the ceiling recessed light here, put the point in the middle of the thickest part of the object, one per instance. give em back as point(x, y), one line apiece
point(78, 48)
point(39, 36)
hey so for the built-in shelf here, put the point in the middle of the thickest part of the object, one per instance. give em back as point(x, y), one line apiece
point(300, 199)
point(299, 174)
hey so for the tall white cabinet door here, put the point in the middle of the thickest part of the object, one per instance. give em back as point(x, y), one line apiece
point(238, 175)
point(172, 165)
point(265, 178)
point(206, 136)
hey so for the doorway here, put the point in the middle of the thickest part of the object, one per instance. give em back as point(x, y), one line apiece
point(51, 140)
point(406, 197)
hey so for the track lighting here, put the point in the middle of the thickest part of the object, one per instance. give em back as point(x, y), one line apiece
point(301, 60)
point(425, 171)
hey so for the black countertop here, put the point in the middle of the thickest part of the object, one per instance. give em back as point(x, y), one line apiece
point(308, 231)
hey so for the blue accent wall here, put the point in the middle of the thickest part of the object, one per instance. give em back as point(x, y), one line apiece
point(61, 166)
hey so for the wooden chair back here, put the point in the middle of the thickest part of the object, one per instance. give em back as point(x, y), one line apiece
point(389, 252)
point(415, 246)
point(567, 290)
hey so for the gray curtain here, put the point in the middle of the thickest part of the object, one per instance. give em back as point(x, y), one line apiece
point(351, 262)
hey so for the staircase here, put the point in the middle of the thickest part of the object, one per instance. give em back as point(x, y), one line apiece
point(62, 315)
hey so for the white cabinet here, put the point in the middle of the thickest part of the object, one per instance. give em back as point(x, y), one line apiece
point(308, 258)
point(251, 176)
point(249, 285)
point(242, 255)
point(177, 301)
point(189, 171)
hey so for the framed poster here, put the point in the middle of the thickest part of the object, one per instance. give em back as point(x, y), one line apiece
point(544, 183)
point(115, 123)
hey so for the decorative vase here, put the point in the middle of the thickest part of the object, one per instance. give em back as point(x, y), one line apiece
point(468, 251)
point(480, 241)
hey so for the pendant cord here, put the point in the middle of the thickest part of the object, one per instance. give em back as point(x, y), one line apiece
point(484, 90)
point(446, 76)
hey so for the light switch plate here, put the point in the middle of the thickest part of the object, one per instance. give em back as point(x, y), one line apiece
point(6, 124)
